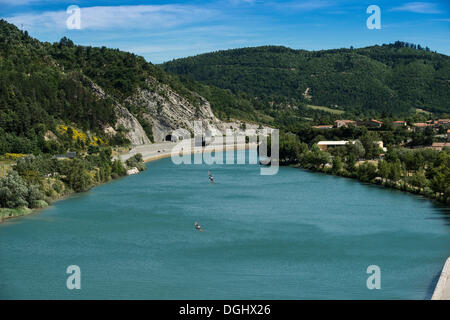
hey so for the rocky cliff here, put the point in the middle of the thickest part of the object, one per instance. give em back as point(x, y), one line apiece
point(135, 132)
point(167, 111)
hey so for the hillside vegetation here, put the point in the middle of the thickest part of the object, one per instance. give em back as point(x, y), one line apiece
point(45, 85)
point(392, 79)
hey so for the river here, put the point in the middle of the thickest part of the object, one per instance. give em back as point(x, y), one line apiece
point(294, 235)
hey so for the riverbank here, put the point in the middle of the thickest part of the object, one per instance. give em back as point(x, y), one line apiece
point(400, 184)
point(7, 213)
point(11, 213)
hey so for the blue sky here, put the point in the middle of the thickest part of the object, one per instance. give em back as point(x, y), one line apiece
point(164, 30)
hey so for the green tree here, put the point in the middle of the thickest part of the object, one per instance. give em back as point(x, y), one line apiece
point(366, 171)
point(337, 165)
point(441, 176)
point(395, 171)
point(419, 179)
point(384, 169)
point(118, 168)
point(13, 191)
point(77, 175)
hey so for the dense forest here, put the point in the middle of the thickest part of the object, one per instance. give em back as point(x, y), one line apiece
point(36, 95)
point(391, 79)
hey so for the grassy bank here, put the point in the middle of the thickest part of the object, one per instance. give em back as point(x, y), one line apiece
point(6, 213)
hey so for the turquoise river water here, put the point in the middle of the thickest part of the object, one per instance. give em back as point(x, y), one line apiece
point(294, 235)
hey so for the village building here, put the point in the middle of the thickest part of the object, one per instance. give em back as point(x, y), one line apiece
point(443, 122)
point(370, 123)
point(399, 124)
point(324, 145)
point(439, 145)
point(344, 123)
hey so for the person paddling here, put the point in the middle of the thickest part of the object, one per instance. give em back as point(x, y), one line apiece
point(198, 227)
point(210, 177)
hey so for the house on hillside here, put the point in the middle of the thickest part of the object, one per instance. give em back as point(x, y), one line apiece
point(370, 123)
point(344, 123)
point(380, 145)
point(442, 122)
point(399, 124)
point(439, 145)
point(324, 145)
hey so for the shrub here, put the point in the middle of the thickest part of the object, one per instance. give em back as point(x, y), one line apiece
point(118, 169)
point(34, 195)
point(58, 186)
point(136, 161)
point(13, 191)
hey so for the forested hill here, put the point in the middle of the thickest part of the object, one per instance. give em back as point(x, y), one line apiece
point(391, 78)
point(48, 88)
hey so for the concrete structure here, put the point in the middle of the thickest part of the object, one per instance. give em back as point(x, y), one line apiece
point(178, 135)
point(324, 145)
point(68, 155)
point(442, 290)
point(132, 171)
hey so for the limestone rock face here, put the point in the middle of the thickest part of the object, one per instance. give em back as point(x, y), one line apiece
point(135, 132)
point(167, 111)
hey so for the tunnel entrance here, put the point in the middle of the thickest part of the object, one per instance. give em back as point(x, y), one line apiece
point(168, 137)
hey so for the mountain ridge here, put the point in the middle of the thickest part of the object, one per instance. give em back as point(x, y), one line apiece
point(393, 78)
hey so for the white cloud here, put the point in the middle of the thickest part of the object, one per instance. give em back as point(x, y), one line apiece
point(13, 2)
point(117, 17)
point(418, 7)
point(17, 3)
point(304, 5)
point(242, 1)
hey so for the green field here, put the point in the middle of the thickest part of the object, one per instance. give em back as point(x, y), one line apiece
point(418, 110)
point(326, 109)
